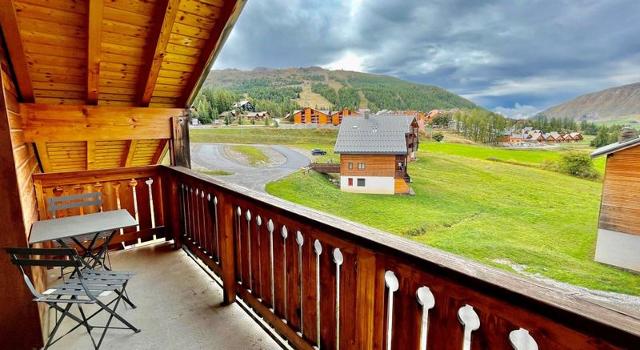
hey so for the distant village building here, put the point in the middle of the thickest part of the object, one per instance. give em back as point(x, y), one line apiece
point(312, 116)
point(618, 241)
point(374, 153)
point(244, 105)
point(531, 135)
point(256, 116)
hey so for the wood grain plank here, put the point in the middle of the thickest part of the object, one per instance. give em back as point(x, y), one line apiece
point(156, 52)
point(19, 62)
point(96, 11)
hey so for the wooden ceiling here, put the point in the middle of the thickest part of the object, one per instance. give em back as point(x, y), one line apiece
point(114, 52)
point(98, 80)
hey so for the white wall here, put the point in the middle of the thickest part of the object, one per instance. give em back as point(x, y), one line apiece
point(618, 249)
point(373, 184)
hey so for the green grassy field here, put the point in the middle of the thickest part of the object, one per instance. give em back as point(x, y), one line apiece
point(264, 135)
point(491, 212)
point(254, 155)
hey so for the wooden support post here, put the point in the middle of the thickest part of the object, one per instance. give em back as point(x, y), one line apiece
point(227, 248)
point(173, 212)
point(19, 317)
point(180, 153)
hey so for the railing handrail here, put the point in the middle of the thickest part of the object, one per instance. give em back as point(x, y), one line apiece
point(498, 282)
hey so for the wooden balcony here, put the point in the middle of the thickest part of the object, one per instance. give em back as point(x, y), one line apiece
point(173, 296)
point(320, 281)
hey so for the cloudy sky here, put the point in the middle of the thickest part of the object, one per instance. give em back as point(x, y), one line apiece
point(513, 56)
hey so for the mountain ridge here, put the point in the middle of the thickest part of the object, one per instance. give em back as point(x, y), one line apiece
point(323, 88)
point(619, 103)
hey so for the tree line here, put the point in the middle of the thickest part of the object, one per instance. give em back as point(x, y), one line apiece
point(476, 124)
point(211, 102)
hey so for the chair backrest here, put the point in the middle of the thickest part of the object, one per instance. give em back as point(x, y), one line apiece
point(24, 257)
point(74, 201)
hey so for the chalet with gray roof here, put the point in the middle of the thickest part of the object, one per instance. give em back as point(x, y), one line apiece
point(374, 153)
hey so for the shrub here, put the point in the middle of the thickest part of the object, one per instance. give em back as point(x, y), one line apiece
point(438, 136)
point(578, 164)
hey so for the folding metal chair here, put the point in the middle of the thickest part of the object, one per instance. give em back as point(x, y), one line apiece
point(93, 258)
point(84, 287)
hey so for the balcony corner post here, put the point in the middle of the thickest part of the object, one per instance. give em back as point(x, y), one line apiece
point(174, 213)
point(227, 248)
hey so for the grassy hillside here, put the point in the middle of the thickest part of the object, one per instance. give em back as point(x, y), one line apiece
point(615, 105)
point(317, 87)
point(504, 215)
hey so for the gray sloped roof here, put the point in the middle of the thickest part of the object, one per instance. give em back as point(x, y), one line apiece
point(615, 147)
point(375, 134)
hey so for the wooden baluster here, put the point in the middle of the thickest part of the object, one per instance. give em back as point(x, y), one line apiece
point(470, 321)
point(183, 204)
point(217, 228)
point(300, 241)
point(248, 217)
point(133, 183)
point(202, 211)
point(209, 227)
point(391, 281)
point(258, 225)
point(151, 207)
point(270, 228)
point(427, 301)
point(116, 186)
point(196, 220)
point(227, 260)
point(317, 248)
point(520, 339)
point(239, 236)
point(284, 234)
point(338, 259)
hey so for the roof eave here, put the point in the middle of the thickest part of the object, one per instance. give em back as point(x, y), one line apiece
point(608, 149)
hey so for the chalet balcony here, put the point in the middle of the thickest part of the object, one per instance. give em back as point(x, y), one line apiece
point(173, 296)
point(314, 279)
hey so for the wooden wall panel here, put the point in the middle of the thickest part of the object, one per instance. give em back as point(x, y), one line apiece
point(620, 209)
point(375, 164)
point(19, 317)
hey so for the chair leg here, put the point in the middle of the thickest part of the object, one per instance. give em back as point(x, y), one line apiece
point(87, 326)
point(58, 323)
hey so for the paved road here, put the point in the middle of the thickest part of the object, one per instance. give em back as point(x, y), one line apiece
point(212, 156)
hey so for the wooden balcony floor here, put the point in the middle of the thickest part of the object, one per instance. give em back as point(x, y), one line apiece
point(179, 307)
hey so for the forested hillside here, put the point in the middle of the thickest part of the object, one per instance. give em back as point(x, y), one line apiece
point(317, 87)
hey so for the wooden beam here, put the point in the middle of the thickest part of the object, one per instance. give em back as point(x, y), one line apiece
point(11, 32)
point(94, 42)
point(224, 23)
point(95, 123)
point(161, 151)
point(155, 52)
point(41, 147)
point(19, 318)
point(180, 153)
point(131, 148)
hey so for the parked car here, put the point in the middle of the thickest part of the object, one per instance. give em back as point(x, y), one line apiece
point(318, 152)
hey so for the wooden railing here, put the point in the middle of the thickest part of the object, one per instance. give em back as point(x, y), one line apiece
point(139, 190)
point(323, 282)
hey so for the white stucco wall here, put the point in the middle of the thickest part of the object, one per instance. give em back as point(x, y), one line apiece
point(373, 184)
point(618, 249)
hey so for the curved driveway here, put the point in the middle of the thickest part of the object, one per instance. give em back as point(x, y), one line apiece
point(212, 156)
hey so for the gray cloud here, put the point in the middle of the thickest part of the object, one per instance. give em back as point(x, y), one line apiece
point(497, 53)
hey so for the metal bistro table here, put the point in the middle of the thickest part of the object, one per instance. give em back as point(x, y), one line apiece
point(83, 228)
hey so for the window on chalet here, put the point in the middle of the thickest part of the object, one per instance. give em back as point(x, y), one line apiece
point(361, 166)
point(361, 182)
point(350, 181)
point(350, 166)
